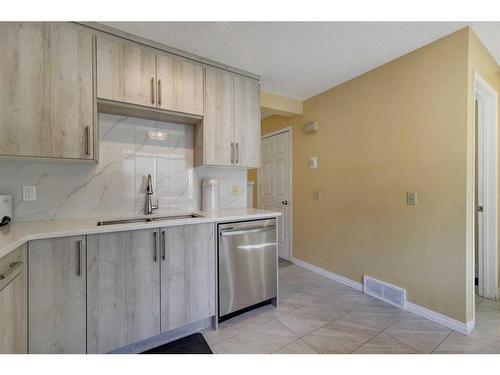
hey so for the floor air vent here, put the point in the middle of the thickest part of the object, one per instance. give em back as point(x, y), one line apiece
point(385, 292)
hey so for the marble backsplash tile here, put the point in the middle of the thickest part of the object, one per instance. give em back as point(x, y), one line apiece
point(116, 186)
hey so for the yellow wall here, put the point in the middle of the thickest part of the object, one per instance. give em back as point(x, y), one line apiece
point(401, 127)
point(481, 61)
point(280, 105)
point(252, 176)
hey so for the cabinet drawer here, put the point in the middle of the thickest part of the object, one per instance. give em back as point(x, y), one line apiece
point(11, 265)
point(13, 324)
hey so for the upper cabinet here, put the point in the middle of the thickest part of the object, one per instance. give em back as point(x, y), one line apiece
point(217, 140)
point(126, 72)
point(247, 122)
point(230, 132)
point(131, 73)
point(56, 76)
point(179, 84)
point(47, 90)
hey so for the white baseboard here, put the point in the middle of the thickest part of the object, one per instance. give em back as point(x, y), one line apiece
point(328, 274)
point(453, 324)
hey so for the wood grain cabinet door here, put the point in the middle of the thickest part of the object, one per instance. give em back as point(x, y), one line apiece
point(179, 85)
point(123, 274)
point(13, 306)
point(247, 122)
point(47, 96)
point(126, 72)
point(187, 275)
point(57, 295)
point(218, 121)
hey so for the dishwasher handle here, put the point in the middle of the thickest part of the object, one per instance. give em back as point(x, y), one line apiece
point(235, 232)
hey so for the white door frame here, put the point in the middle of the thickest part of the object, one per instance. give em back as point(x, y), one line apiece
point(288, 129)
point(487, 171)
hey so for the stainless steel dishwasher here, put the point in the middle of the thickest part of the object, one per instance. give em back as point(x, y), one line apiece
point(247, 265)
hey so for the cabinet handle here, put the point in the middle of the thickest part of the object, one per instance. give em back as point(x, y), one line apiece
point(80, 257)
point(12, 267)
point(156, 246)
point(159, 92)
point(237, 153)
point(163, 245)
point(232, 152)
point(152, 90)
point(87, 141)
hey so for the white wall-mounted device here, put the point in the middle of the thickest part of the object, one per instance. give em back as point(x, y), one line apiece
point(312, 127)
point(313, 162)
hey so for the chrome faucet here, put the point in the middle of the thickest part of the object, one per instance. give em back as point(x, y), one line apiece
point(149, 206)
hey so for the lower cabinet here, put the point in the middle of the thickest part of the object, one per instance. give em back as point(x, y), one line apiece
point(101, 292)
point(13, 323)
point(123, 284)
point(57, 295)
point(187, 275)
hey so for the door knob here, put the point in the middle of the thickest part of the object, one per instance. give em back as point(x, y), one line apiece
point(284, 203)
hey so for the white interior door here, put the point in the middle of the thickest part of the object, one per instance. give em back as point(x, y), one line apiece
point(479, 200)
point(274, 186)
point(487, 187)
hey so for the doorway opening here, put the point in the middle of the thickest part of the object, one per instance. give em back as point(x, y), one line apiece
point(486, 197)
point(274, 184)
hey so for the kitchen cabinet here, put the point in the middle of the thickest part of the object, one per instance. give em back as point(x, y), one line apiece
point(134, 74)
point(217, 140)
point(247, 122)
point(57, 295)
point(123, 283)
point(187, 275)
point(13, 323)
point(126, 71)
point(179, 84)
point(47, 99)
point(230, 132)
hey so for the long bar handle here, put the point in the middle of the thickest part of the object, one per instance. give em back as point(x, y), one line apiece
point(159, 92)
point(87, 141)
point(163, 245)
point(246, 231)
point(12, 267)
point(237, 152)
point(156, 246)
point(152, 90)
point(80, 257)
point(232, 152)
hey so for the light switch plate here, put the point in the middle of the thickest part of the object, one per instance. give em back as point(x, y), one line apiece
point(316, 195)
point(29, 193)
point(411, 198)
point(313, 162)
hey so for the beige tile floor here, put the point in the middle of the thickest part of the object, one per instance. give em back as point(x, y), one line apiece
point(318, 315)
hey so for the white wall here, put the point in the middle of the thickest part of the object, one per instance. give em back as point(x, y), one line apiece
point(115, 186)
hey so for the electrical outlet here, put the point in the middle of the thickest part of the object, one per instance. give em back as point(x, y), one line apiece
point(316, 195)
point(236, 190)
point(411, 198)
point(29, 193)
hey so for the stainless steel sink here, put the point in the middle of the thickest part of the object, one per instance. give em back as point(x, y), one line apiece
point(148, 219)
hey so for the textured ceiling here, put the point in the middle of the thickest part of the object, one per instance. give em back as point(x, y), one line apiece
point(303, 59)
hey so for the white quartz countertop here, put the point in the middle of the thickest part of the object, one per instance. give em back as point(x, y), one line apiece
point(17, 234)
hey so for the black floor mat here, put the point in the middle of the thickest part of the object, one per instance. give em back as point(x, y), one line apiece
point(192, 344)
